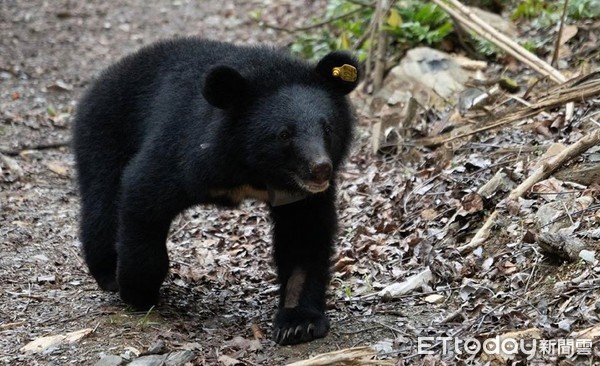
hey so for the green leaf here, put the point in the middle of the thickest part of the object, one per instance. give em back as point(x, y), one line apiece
point(344, 41)
point(394, 20)
point(51, 111)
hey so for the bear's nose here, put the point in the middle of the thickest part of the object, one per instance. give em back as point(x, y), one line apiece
point(321, 172)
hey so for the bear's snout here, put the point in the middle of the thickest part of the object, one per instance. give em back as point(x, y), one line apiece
point(320, 171)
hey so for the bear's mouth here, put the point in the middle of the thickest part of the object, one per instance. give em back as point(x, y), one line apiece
point(311, 186)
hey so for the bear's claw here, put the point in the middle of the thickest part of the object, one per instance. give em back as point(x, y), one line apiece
point(298, 325)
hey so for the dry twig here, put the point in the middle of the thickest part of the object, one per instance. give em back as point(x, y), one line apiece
point(373, 27)
point(467, 18)
point(311, 26)
point(560, 32)
point(349, 357)
point(540, 173)
point(44, 146)
point(381, 46)
point(573, 90)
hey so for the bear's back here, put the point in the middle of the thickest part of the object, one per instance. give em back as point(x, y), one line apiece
point(126, 89)
point(264, 66)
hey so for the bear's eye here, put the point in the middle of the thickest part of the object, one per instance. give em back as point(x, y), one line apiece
point(328, 128)
point(285, 135)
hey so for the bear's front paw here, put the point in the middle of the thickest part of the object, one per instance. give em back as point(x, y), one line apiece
point(298, 325)
point(139, 300)
point(108, 283)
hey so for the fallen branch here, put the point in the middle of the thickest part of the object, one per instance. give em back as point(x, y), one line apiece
point(466, 17)
point(345, 357)
point(540, 173)
point(556, 162)
point(571, 91)
point(46, 146)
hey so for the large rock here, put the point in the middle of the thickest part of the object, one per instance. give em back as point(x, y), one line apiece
point(434, 78)
point(425, 77)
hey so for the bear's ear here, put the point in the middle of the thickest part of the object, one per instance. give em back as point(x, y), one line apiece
point(224, 87)
point(341, 70)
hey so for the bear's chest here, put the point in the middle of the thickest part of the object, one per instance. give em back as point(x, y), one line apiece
point(235, 196)
point(238, 194)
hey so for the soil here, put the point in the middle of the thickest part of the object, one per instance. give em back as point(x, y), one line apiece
point(222, 280)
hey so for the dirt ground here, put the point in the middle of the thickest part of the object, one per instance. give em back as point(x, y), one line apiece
point(222, 285)
point(222, 280)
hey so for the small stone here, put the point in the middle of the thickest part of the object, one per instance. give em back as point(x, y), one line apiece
point(48, 278)
point(588, 256)
point(179, 358)
point(156, 348)
point(41, 258)
point(150, 360)
point(109, 360)
point(434, 299)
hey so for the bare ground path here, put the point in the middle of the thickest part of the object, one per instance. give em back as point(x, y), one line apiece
point(397, 216)
point(221, 281)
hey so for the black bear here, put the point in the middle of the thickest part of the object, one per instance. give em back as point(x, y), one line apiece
point(190, 121)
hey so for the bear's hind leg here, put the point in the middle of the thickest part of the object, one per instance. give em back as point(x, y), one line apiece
point(99, 188)
point(146, 209)
point(98, 238)
point(143, 260)
point(303, 238)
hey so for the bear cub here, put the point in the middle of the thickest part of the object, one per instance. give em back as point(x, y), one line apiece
point(190, 121)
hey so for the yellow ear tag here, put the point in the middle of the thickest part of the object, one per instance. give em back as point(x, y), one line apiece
point(345, 72)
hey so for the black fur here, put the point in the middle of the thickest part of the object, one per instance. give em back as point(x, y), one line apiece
point(180, 122)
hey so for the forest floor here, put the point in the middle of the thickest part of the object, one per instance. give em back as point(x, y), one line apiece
point(398, 217)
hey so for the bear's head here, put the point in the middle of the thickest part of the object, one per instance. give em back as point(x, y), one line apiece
point(289, 122)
